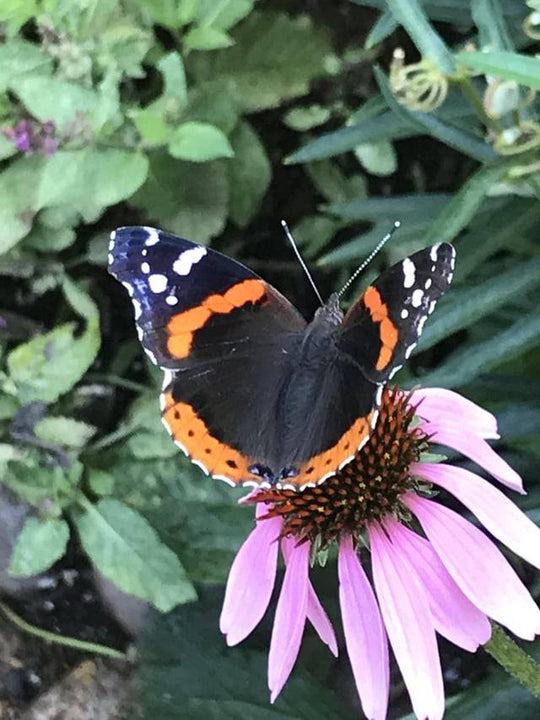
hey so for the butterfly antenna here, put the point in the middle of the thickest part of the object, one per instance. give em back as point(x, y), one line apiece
point(300, 260)
point(370, 257)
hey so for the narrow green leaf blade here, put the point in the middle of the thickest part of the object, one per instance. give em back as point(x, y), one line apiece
point(524, 69)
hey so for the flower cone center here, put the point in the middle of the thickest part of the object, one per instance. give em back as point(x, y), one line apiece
point(368, 488)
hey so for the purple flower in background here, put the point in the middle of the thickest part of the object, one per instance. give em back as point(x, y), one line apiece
point(29, 136)
point(448, 580)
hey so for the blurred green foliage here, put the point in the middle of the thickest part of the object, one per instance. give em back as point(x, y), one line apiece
point(152, 111)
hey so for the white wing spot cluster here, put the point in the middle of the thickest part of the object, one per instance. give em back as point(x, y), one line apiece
point(157, 283)
point(186, 260)
point(409, 273)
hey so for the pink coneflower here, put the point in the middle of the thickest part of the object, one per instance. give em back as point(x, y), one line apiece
point(433, 571)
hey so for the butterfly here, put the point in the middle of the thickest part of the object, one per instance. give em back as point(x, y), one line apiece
point(253, 393)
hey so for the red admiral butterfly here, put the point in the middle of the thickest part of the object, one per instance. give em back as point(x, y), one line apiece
point(252, 393)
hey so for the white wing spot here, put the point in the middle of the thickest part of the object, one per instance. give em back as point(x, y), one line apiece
point(428, 283)
point(416, 298)
point(404, 314)
point(145, 267)
point(394, 371)
point(144, 252)
point(167, 379)
point(151, 355)
point(409, 350)
point(110, 259)
point(186, 260)
point(153, 236)
point(129, 288)
point(409, 272)
point(199, 464)
point(433, 253)
point(171, 300)
point(421, 324)
point(432, 307)
point(157, 283)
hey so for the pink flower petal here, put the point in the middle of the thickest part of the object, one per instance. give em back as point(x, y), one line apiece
point(440, 406)
point(476, 449)
point(478, 567)
point(251, 581)
point(365, 637)
point(496, 512)
point(290, 620)
point(316, 614)
point(454, 615)
point(409, 625)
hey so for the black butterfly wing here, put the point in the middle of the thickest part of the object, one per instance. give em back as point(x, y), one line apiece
point(382, 328)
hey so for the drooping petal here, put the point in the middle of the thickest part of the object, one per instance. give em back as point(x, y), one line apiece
point(316, 614)
point(478, 567)
point(440, 405)
point(476, 449)
point(290, 620)
point(251, 581)
point(454, 615)
point(409, 625)
point(496, 512)
point(365, 637)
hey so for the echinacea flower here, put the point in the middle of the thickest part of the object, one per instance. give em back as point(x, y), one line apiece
point(433, 571)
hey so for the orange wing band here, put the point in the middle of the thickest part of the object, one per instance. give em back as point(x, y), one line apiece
point(182, 327)
point(388, 332)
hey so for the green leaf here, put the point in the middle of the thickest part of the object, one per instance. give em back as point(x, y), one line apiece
point(49, 365)
point(127, 551)
point(249, 172)
point(412, 16)
point(213, 103)
point(51, 99)
point(39, 545)
point(190, 199)
point(49, 240)
point(466, 306)
point(91, 179)
point(404, 207)
point(464, 204)
point(19, 185)
point(377, 158)
point(524, 69)
point(199, 142)
point(15, 13)
point(7, 147)
point(64, 431)
point(305, 118)
point(124, 46)
point(476, 359)
point(49, 487)
point(333, 184)
point(223, 14)
point(20, 59)
point(171, 67)
point(490, 21)
point(207, 38)
point(274, 58)
point(383, 28)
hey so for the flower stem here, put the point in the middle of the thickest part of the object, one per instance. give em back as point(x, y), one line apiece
point(514, 660)
point(467, 88)
point(82, 645)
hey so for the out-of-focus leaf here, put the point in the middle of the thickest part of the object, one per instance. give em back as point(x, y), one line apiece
point(274, 58)
point(38, 546)
point(383, 28)
point(305, 118)
point(377, 158)
point(20, 59)
point(206, 37)
point(14, 14)
point(465, 306)
point(172, 675)
point(402, 207)
point(250, 173)
point(199, 142)
point(127, 551)
point(524, 69)
point(7, 147)
point(223, 15)
point(64, 431)
point(190, 199)
point(91, 179)
point(412, 16)
point(490, 21)
point(42, 486)
point(124, 46)
point(19, 185)
point(464, 204)
point(51, 99)
point(475, 359)
point(51, 240)
point(171, 67)
point(49, 365)
point(213, 103)
point(333, 184)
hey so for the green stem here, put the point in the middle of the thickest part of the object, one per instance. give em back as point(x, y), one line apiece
point(467, 88)
point(82, 645)
point(514, 660)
